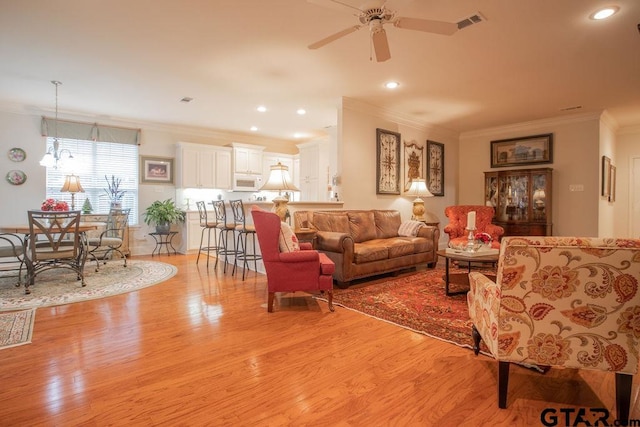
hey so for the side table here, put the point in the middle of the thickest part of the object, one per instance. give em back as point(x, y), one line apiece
point(306, 235)
point(163, 239)
point(462, 278)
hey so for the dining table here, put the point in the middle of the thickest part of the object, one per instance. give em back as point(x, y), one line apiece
point(24, 230)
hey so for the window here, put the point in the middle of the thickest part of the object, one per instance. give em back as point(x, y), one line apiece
point(92, 161)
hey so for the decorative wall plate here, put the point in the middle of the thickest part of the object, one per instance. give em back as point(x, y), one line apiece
point(16, 177)
point(16, 154)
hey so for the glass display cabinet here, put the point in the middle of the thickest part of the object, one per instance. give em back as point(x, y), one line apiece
point(521, 199)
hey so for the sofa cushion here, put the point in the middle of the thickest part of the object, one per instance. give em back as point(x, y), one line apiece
point(399, 247)
point(362, 226)
point(367, 252)
point(387, 223)
point(326, 221)
point(287, 242)
point(420, 244)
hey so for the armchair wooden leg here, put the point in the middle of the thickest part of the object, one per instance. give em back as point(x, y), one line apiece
point(270, 302)
point(330, 300)
point(476, 339)
point(503, 384)
point(623, 397)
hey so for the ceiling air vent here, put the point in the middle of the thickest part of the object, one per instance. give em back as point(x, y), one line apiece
point(471, 20)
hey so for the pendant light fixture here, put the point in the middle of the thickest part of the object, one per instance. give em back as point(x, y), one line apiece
point(56, 157)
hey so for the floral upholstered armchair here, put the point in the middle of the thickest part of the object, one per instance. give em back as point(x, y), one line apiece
point(457, 227)
point(565, 302)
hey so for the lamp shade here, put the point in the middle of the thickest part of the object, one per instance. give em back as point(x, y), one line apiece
point(419, 188)
point(279, 179)
point(72, 185)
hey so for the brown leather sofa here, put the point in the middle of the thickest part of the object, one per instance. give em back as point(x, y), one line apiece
point(365, 243)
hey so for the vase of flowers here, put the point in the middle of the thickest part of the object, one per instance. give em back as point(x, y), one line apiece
point(51, 204)
point(114, 192)
point(483, 240)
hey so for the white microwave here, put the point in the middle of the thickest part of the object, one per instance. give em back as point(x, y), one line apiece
point(247, 182)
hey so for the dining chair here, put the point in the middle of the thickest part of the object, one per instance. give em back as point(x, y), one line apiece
point(12, 254)
point(54, 241)
point(111, 239)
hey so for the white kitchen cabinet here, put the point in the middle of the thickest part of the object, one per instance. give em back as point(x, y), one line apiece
point(247, 159)
point(203, 166)
point(270, 159)
point(314, 167)
point(193, 231)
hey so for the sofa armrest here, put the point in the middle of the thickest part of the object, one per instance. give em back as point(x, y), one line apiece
point(430, 232)
point(332, 241)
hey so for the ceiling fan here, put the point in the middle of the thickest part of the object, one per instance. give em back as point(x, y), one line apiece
point(375, 15)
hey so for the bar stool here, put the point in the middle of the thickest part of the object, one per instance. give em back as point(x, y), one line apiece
point(244, 231)
point(224, 228)
point(206, 226)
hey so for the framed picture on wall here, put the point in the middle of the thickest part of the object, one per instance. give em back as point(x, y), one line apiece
point(612, 180)
point(413, 162)
point(606, 176)
point(388, 162)
point(156, 170)
point(527, 150)
point(435, 168)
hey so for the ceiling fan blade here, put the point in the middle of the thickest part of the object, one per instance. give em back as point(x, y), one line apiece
point(335, 4)
point(426, 25)
point(333, 37)
point(381, 45)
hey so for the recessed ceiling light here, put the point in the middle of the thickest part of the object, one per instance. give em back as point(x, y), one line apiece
point(253, 128)
point(186, 99)
point(391, 85)
point(301, 111)
point(298, 135)
point(604, 13)
point(261, 108)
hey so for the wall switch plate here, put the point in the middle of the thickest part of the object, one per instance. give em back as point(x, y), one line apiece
point(576, 187)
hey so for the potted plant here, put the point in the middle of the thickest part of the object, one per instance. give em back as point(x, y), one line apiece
point(113, 191)
point(163, 214)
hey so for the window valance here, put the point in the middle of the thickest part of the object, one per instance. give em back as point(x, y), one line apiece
point(89, 131)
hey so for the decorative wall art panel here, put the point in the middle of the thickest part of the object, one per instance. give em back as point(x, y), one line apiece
point(388, 162)
point(414, 153)
point(435, 168)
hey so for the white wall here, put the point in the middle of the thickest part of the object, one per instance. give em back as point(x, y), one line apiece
point(575, 161)
point(627, 148)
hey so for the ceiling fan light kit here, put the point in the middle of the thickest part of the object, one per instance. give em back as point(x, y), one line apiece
point(376, 16)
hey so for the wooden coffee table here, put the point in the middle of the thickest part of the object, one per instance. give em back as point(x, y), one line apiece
point(463, 278)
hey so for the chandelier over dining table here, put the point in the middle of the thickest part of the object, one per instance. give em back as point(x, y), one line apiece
point(55, 156)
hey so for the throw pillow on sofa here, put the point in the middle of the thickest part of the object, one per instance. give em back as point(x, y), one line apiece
point(409, 228)
point(288, 242)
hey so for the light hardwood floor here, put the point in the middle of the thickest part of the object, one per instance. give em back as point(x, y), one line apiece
point(201, 349)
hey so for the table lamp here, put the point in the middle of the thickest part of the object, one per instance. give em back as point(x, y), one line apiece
point(280, 180)
point(418, 189)
point(72, 185)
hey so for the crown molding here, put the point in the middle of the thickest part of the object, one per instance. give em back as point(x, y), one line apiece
point(434, 131)
point(533, 124)
point(629, 130)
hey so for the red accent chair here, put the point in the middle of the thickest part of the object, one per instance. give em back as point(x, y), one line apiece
point(457, 227)
point(303, 270)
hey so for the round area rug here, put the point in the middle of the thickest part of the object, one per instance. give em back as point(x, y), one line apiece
point(59, 286)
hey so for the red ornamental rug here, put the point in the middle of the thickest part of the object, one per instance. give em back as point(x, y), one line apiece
point(417, 302)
